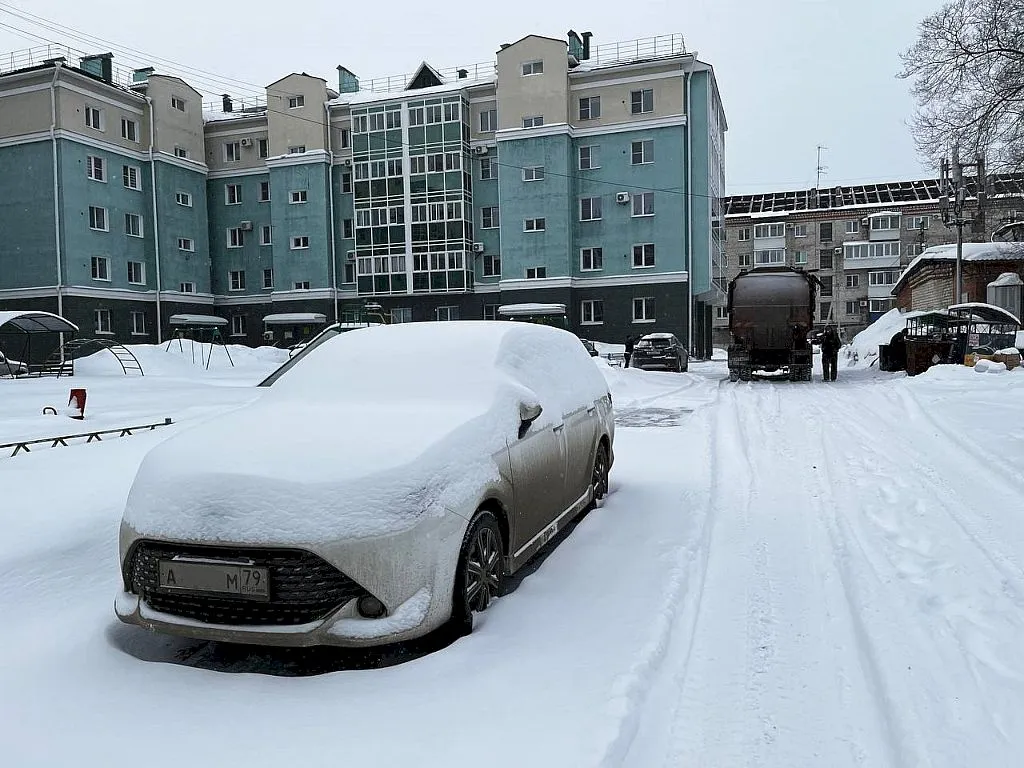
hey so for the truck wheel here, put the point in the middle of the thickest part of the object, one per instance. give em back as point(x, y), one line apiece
point(734, 375)
point(746, 374)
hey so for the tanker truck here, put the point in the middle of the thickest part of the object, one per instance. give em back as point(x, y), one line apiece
point(771, 311)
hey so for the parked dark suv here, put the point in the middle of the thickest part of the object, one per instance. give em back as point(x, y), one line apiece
point(660, 350)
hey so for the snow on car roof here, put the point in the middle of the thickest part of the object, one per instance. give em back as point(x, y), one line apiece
point(656, 336)
point(365, 436)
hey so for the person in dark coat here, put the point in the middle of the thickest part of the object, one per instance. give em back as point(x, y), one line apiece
point(630, 341)
point(830, 344)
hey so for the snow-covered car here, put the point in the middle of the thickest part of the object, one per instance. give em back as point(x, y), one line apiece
point(9, 367)
point(660, 350)
point(366, 504)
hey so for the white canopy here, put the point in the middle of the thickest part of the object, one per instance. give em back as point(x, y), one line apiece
point(197, 320)
point(33, 321)
point(295, 318)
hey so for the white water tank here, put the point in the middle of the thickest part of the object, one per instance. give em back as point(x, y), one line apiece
point(1007, 291)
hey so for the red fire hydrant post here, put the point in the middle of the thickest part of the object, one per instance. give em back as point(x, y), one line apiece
point(78, 399)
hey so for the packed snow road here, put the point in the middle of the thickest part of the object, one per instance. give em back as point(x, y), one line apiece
point(783, 575)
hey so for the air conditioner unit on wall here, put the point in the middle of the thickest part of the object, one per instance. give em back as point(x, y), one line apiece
point(478, 247)
point(246, 142)
point(481, 150)
point(863, 302)
point(268, 335)
point(622, 197)
point(246, 226)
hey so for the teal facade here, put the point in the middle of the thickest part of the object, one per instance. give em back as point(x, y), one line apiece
point(27, 238)
point(699, 127)
point(178, 221)
point(309, 220)
point(251, 258)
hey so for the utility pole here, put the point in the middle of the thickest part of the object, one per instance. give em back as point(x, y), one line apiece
point(952, 204)
point(821, 168)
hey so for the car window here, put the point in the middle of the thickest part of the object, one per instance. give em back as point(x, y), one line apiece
point(325, 335)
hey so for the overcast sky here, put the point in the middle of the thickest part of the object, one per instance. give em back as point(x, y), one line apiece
point(793, 73)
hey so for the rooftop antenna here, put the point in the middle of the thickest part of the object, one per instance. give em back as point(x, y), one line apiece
point(821, 168)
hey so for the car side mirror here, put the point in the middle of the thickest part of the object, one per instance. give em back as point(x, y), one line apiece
point(528, 413)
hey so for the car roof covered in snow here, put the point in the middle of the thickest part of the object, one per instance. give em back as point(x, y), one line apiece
point(652, 336)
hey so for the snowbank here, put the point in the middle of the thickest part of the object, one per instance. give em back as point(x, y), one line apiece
point(862, 352)
point(340, 451)
point(184, 359)
point(989, 366)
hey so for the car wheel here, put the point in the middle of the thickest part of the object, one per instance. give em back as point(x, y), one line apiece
point(480, 574)
point(599, 477)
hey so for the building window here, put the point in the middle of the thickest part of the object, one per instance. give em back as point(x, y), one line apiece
point(826, 285)
point(853, 281)
point(100, 268)
point(266, 235)
point(264, 196)
point(435, 163)
point(590, 107)
point(94, 118)
point(301, 285)
point(588, 158)
point(133, 224)
point(95, 168)
point(853, 307)
point(186, 244)
point(488, 169)
point(97, 218)
point(743, 234)
point(721, 312)
point(232, 152)
point(102, 317)
point(298, 149)
point(180, 152)
point(232, 194)
point(880, 305)
point(129, 130)
point(746, 259)
point(264, 147)
point(268, 279)
point(489, 217)
point(130, 177)
point(642, 152)
point(136, 273)
point(824, 259)
point(641, 102)
point(178, 103)
point(534, 173)
point(918, 223)
point(536, 273)
point(533, 121)
point(591, 259)
point(395, 166)
point(534, 225)
point(236, 280)
point(643, 204)
point(770, 256)
point(433, 114)
point(488, 121)
point(452, 113)
point(800, 257)
point(452, 162)
point(825, 231)
point(871, 250)
point(183, 198)
point(236, 237)
point(643, 309)
point(766, 231)
point(294, 102)
point(888, 277)
point(186, 287)
point(447, 313)
point(298, 196)
point(491, 311)
point(643, 255)
point(915, 249)
point(300, 242)
point(592, 312)
point(885, 222)
point(852, 227)
point(346, 229)
point(800, 230)
point(401, 315)
point(590, 209)
point(238, 325)
point(533, 68)
point(492, 265)
point(825, 310)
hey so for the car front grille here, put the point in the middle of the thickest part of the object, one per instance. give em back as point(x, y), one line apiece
point(303, 586)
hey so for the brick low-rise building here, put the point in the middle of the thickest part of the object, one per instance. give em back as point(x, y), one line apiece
point(928, 282)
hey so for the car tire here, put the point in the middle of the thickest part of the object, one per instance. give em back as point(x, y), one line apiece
point(480, 573)
point(599, 476)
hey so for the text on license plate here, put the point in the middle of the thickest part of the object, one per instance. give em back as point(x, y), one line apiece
point(226, 578)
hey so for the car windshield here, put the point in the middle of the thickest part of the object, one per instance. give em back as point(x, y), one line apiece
point(659, 342)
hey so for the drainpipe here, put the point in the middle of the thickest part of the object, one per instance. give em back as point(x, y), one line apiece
point(689, 210)
point(330, 197)
point(156, 225)
point(56, 195)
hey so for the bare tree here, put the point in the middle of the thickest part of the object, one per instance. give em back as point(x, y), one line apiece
point(967, 69)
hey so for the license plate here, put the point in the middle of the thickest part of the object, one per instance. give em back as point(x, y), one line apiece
point(248, 581)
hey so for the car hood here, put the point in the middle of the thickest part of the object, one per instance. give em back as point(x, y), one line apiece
point(292, 472)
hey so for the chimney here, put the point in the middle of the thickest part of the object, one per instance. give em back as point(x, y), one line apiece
point(142, 75)
point(226, 104)
point(463, 74)
point(347, 82)
point(505, 45)
point(101, 65)
point(586, 45)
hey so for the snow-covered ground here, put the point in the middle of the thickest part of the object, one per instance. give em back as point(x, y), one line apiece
point(783, 575)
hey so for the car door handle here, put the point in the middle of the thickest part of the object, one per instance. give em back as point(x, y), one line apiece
point(558, 427)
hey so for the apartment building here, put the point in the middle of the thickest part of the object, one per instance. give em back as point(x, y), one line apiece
point(563, 172)
point(856, 240)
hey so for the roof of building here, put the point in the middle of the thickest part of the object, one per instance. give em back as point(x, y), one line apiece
point(885, 193)
point(971, 252)
point(291, 318)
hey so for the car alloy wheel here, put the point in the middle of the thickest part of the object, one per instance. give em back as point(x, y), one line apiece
point(599, 478)
point(481, 571)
